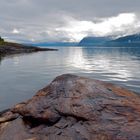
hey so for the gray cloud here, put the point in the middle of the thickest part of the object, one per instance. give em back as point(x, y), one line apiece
point(39, 20)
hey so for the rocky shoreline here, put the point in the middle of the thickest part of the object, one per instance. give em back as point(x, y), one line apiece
point(74, 108)
point(14, 48)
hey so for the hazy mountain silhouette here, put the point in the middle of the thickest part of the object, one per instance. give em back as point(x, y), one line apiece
point(130, 40)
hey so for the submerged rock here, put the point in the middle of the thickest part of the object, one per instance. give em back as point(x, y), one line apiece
point(75, 108)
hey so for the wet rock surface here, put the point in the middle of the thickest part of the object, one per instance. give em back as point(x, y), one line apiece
point(74, 108)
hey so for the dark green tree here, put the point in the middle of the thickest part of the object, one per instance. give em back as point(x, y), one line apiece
point(1, 40)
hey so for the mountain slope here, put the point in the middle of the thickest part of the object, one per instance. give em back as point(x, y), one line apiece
point(55, 44)
point(89, 41)
point(128, 39)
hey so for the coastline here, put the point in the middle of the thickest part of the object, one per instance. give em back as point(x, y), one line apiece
point(8, 48)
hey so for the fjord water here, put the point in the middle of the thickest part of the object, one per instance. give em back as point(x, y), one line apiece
point(22, 75)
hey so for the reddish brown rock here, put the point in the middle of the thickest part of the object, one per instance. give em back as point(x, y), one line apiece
point(75, 108)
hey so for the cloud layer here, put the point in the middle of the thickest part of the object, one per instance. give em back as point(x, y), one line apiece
point(64, 20)
point(122, 24)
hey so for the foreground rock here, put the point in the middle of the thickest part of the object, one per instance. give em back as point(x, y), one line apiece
point(14, 48)
point(74, 108)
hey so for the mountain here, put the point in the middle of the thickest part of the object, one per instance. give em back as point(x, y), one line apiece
point(90, 41)
point(125, 41)
point(135, 38)
point(55, 44)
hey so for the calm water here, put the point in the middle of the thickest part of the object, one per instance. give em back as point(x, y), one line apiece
point(22, 75)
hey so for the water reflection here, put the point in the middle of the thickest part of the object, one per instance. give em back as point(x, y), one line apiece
point(22, 75)
point(1, 57)
point(77, 60)
point(109, 64)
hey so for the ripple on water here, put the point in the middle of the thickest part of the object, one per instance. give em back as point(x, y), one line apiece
point(22, 75)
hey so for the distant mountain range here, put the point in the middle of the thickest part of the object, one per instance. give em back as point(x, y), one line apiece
point(56, 44)
point(130, 40)
point(89, 41)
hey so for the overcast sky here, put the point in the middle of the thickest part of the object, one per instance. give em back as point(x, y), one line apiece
point(67, 20)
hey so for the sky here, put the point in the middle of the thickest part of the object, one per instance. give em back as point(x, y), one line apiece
point(67, 20)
